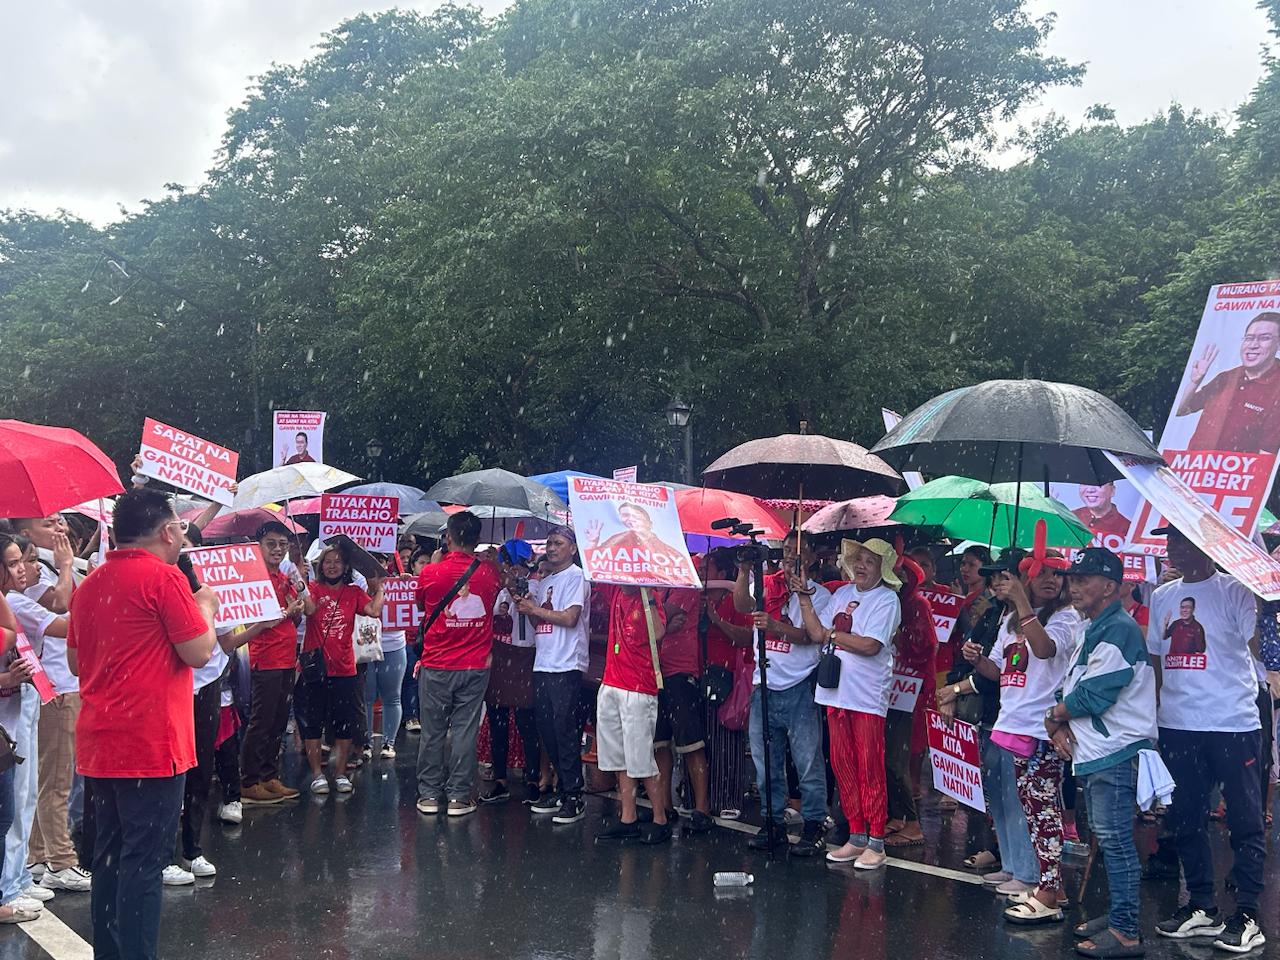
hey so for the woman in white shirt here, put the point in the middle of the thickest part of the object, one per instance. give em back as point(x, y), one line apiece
point(858, 623)
point(1030, 660)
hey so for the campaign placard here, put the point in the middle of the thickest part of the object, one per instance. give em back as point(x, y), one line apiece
point(238, 575)
point(946, 611)
point(629, 533)
point(297, 436)
point(39, 679)
point(1174, 502)
point(187, 461)
point(400, 608)
point(904, 690)
point(626, 474)
point(1223, 433)
point(954, 755)
point(370, 521)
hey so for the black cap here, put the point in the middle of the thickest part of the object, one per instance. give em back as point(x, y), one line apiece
point(1096, 561)
point(1010, 557)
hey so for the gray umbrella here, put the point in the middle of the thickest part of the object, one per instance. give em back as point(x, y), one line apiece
point(499, 488)
point(1013, 430)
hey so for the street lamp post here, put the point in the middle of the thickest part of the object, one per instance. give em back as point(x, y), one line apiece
point(373, 449)
point(678, 413)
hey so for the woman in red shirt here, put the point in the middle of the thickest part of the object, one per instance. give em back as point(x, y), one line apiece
point(331, 701)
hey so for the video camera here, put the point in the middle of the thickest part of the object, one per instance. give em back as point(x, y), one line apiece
point(748, 553)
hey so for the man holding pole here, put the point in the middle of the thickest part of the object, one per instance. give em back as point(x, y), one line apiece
point(627, 710)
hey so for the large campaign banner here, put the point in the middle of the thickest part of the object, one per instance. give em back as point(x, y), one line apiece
point(1224, 431)
point(954, 755)
point(400, 609)
point(187, 461)
point(1173, 501)
point(369, 521)
point(629, 533)
point(297, 436)
point(1108, 510)
point(238, 575)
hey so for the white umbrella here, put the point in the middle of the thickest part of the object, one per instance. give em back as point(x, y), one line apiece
point(288, 483)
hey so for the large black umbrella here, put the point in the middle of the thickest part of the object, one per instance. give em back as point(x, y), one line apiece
point(500, 488)
point(803, 465)
point(1015, 430)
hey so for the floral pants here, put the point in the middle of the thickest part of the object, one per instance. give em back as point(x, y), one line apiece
point(1039, 783)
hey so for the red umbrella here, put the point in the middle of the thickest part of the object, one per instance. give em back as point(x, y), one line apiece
point(309, 506)
point(853, 515)
point(47, 469)
point(699, 508)
point(242, 523)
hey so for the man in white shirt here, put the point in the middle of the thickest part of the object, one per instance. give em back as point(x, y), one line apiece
point(558, 606)
point(1210, 733)
point(795, 720)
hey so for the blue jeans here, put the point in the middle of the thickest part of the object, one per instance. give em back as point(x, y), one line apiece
point(15, 877)
point(1000, 785)
point(795, 720)
point(6, 806)
point(409, 688)
point(383, 680)
point(1111, 795)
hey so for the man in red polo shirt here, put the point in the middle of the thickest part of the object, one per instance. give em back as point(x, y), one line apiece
point(273, 659)
point(1239, 406)
point(453, 672)
point(135, 632)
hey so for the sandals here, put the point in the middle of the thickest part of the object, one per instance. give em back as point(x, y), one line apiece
point(899, 840)
point(1091, 928)
point(1105, 944)
point(1033, 913)
point(983, 861)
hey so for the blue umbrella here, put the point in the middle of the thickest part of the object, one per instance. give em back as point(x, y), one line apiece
point(412, 499)
point(559, 481)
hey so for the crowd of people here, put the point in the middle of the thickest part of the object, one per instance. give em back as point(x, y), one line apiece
point(1077, 684)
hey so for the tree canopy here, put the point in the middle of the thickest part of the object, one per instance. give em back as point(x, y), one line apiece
point(513, 241)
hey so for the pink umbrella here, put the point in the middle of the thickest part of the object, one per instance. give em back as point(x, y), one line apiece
point(242, 523)
point(306, 507)
point(853, 515)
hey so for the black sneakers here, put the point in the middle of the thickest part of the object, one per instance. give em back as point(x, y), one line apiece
point(764, 840)
point(571, 811)
point(699, 822)
point(547, 802)
point(1190, 922)
point(1240, 934)
point(619, 832)
point(812, 842)
point(499, 794)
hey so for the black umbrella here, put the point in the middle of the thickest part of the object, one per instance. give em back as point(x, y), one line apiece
point(811, 465)
point(500, 488)
point(1015, 430)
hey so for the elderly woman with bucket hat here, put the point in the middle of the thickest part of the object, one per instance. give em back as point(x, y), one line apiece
point(856, 629)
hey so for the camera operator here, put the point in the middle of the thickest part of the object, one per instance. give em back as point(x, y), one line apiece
point(795, 720)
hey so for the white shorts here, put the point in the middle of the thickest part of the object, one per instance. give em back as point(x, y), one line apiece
point(625, 721)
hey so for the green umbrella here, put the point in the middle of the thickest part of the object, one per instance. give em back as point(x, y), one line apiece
point(973, 510)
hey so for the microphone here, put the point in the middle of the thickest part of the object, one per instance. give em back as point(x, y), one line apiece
point(725, 523)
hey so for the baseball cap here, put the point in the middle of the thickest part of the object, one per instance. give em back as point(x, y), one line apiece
point(1008, 562)
point(1096, 561)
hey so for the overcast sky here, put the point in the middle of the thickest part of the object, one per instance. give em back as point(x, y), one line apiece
point(105, 103)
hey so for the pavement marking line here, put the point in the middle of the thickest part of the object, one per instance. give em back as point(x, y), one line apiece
point(55, 938)
point(910, 865)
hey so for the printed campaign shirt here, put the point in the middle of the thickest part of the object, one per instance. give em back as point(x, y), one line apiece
point(1209, 678)
point(1028, 685)
point(791, 663)
point(507, 623)
point(864, 681)
point(561, 649)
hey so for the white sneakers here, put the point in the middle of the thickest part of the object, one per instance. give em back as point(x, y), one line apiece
point(320, 784)
point(175, 876)
point(232, 812)
point(70, 878)
point(37, 892)
point(201, 867)
point(342, 784)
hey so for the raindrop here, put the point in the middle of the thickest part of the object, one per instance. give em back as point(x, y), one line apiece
point(181, 306)
point(86, 286)
point(116, 300)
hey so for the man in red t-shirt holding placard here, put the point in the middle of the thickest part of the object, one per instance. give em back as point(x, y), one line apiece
point(135, 632)
point(457, 597)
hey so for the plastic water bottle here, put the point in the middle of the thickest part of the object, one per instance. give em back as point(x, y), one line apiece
point(733, 879)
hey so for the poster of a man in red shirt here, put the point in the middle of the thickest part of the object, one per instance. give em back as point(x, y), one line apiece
point(1240, 407)
point(1185, 635)
point(1099, 512)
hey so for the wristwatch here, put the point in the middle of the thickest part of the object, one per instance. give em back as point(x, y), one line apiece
point(1048, 715)
point(956, 689)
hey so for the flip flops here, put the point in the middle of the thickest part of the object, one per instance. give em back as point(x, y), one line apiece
point(1091, 928)
point(1106, 945)
point(898, 840)
point(1033, 913)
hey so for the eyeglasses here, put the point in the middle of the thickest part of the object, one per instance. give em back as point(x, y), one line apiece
point(183, 525)
point(275, 544)
point(1252, 338)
